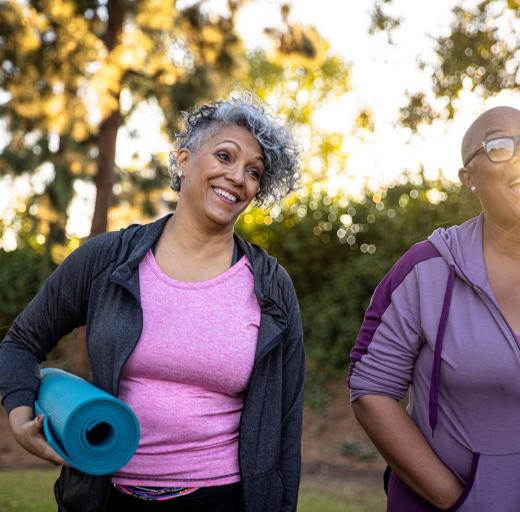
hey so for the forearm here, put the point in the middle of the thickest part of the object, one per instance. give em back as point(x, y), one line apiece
point(404, 448)
point(19, 376)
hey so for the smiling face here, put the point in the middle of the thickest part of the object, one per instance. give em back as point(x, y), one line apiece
point(221, 178)
point(497, 184)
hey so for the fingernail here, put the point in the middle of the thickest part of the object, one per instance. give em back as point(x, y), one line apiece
point(40, 416)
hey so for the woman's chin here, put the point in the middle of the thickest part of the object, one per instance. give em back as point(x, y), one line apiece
point(222, 221)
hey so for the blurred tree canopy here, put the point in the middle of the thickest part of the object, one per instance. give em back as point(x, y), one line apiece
point(480, 54)
point(73, 72)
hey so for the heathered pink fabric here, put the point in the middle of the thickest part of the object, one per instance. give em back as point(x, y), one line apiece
point(187, 376)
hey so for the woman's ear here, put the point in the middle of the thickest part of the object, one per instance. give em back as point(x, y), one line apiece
point(181, 160)
point(467, 179)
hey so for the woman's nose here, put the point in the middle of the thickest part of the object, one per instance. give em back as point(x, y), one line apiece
point(236, 174)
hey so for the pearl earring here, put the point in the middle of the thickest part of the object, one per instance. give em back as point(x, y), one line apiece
point(473, 188)
point(179, 173)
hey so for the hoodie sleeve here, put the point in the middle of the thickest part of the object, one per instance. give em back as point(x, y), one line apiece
point(59, 306)
point(391, 335)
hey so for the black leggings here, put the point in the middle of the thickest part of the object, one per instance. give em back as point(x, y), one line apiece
point(223, 498)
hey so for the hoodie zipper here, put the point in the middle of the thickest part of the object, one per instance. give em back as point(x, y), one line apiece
point(138, 335)
point(490, 303)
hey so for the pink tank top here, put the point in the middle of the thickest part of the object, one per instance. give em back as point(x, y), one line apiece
point(187, 376)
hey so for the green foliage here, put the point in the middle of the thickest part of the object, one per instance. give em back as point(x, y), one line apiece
point(337, 251)
point(479, 54)
point(382, 21)
point(22, 272)
point(73, 72)
point(476, 50)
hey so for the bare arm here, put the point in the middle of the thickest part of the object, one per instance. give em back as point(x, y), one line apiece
point(404, 448)
point(27, 431)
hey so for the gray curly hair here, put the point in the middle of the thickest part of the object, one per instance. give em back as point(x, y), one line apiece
point(280, 151)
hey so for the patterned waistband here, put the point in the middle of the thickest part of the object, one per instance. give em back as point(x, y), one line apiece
point(155, 493)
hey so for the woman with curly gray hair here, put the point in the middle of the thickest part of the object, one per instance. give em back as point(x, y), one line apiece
point(193, 327)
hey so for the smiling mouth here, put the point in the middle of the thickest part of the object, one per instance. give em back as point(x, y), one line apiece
point(226, 196)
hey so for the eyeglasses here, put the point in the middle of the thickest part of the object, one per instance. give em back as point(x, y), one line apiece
point(500, 149)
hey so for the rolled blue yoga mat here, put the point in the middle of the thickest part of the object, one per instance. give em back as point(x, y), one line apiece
point(92, 430)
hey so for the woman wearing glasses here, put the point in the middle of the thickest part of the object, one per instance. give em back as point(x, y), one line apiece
point(445, 324)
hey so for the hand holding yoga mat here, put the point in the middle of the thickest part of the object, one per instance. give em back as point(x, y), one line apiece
point(92, 430)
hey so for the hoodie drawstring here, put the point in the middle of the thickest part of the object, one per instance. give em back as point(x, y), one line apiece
point(436, 368)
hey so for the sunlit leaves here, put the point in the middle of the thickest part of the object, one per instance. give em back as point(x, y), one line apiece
point(479, 54)
point(41, 73)
point(299, 91)
point(477, 51)
point(63, 75)
point(63, 87)
point(364, 120)
point(382, 21)
point(156, 15)
point(418, 110)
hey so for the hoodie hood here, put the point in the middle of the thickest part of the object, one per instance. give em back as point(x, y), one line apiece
point(461, 246)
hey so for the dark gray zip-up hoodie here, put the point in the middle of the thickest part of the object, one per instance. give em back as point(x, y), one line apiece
point(98, 285)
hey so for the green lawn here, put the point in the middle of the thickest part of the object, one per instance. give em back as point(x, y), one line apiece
point(319, 500)
point(27, 491)
point(31, 491)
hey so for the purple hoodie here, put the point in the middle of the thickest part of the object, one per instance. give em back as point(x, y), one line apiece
point(434, 327)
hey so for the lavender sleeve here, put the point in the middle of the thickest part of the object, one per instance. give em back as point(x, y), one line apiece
point(390, 338)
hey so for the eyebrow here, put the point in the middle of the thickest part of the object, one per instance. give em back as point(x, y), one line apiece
point(259, 157)
point(232, 142)
point(492, 131)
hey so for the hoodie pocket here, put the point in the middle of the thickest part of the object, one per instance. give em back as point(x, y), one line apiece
point(469, 485)
point(402, 499)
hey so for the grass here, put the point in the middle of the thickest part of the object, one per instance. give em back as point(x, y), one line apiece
point(318, 500)
point(27, 490)
point(31, 491)
point(339, 496)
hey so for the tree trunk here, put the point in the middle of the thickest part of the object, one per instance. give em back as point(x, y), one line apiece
point(107, 133)
point(105, 176)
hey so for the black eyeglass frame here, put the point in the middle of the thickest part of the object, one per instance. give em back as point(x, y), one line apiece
point(482, 147)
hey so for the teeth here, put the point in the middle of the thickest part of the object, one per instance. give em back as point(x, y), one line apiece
point(515, 182)
point(225, 194)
